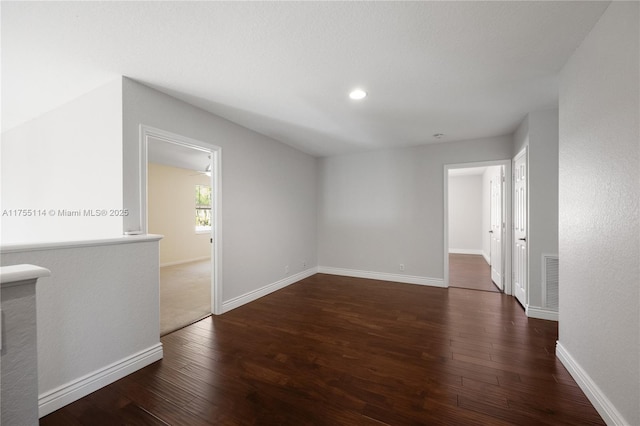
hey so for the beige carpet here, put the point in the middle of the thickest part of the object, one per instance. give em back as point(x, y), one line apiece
point(185, 294)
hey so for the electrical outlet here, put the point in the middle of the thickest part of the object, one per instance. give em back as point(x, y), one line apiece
point(286, 269)
point(402, 267)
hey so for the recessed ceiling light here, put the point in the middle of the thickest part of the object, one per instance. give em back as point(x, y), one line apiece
point(357, 94)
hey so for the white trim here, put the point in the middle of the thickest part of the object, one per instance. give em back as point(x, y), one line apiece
point(466, 251)
point(181, 262)
point(599, 400)
point(383, 276)
point(250, 296)
point(541, 313)
point(57, 398)
point(216, 232)
point(125, 239)
point(487, 258)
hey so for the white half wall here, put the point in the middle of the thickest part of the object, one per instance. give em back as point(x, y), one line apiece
point(380, 209)
point(62, 166)
point(268, 191)
point(97, 314)
point(465, 214)
point(599, 327)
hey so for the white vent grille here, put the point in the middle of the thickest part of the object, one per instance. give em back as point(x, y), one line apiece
point(550, 285)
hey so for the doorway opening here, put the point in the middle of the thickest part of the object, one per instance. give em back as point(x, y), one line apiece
point(476, 233)
point(181, 201)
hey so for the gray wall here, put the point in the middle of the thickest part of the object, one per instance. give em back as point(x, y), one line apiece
point(465, 214)
point(379, 209)
point(599, 224)
point(268, 189)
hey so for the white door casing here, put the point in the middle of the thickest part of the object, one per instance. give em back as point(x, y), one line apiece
point(520, 225)
point(496, 224)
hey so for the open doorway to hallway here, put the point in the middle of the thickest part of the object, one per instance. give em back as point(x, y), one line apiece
point(476, 252)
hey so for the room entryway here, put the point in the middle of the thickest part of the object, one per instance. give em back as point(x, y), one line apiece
point(476, 253)
point(182, 182)
point(179, 208)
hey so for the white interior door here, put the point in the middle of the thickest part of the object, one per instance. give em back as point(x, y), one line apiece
point(496, 229)
point(520, 259)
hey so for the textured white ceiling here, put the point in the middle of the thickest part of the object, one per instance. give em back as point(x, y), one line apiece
point(465, 69)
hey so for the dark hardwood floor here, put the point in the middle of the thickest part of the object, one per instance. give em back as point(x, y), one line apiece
point(332, 350)
point(470, 271)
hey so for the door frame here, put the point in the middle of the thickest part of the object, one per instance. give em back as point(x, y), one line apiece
point(507, 228)
point(148, 132)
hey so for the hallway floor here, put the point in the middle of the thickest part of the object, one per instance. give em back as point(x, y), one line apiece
point(332, 350)
point(470, 271)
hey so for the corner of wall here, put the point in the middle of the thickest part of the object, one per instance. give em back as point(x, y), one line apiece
point(521, 136)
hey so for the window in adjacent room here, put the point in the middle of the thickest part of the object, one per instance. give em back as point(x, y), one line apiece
point(203, 208)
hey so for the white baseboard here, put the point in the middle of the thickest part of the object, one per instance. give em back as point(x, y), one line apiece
point(601, 403)
point(465, 251)
point(57, 398)
point(180, 262)
point(486, 257)
point(263, 291)
point(541, 313)
point(383, 276)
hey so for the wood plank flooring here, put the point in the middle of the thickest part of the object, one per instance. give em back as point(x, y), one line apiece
point(333, 350)
point(470, 271)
